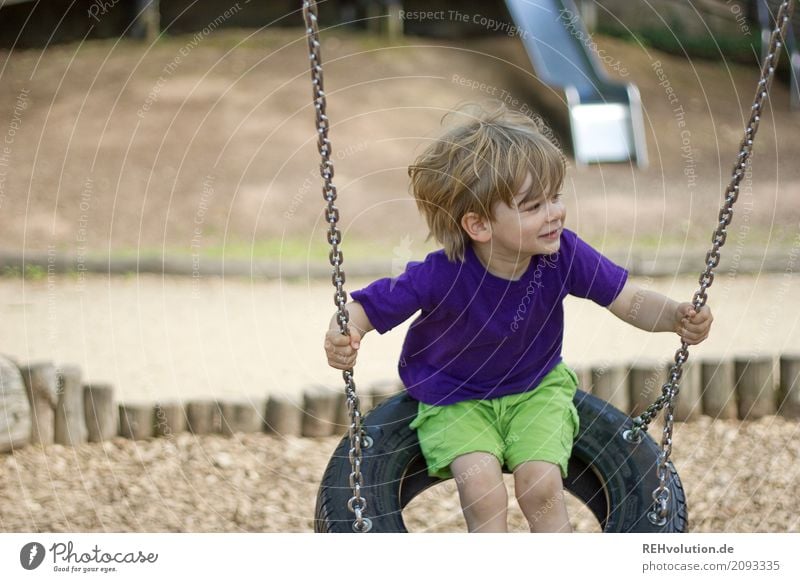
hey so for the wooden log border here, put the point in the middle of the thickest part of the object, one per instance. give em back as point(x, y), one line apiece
point(740, 387)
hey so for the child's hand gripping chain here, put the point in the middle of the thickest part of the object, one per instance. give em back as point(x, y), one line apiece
point(691, 325)
point(342, 350)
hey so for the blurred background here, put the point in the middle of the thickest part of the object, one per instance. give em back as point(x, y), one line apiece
point(161, 204)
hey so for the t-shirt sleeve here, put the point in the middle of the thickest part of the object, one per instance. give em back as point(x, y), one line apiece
point(388, 302)
point(590, 274)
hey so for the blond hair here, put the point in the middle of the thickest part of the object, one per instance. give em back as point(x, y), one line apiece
point(484, 157)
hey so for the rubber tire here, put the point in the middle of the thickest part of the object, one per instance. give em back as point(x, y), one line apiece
point(614, 478)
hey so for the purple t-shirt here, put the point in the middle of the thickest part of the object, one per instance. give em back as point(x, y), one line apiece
point(479, 335)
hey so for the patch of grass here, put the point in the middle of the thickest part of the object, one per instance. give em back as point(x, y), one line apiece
point(301, 250)
point(11, 271)
point(31, 272)
point(288, 250)
point(35, 272)
point(674, 40)
point(754, 240)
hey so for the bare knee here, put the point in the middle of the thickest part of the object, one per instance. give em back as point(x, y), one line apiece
point(479, 475)
point(540, 492)
point(539, 487)
point(482, 491)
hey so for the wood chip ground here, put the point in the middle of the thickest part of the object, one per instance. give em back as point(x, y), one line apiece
point(739, 477)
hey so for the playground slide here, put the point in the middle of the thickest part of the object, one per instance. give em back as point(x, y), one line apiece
point(605, 116)
point(766, 18)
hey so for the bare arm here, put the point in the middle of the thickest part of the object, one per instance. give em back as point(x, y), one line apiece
point(652, 311)
point(358, 319)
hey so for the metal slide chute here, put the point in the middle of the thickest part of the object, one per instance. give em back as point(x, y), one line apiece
point(605, 116)
point(766, 21)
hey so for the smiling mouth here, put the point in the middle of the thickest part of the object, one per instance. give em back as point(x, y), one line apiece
point(550, 234)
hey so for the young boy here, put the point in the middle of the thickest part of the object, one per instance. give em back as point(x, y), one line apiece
point(484, 356)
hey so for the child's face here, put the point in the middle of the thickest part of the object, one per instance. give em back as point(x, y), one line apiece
point(532, 226)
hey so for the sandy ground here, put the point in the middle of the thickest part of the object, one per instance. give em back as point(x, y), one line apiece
point(157, 338)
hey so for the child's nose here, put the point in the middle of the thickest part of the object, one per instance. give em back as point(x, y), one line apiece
point(555, 210)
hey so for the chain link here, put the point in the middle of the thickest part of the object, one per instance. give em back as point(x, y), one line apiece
point(356, 504)
point(670, 390)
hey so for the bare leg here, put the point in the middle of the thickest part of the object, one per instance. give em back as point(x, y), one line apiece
point(540, 492)
point(482, 492)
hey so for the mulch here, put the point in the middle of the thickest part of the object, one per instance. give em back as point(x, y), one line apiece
point(739, 477)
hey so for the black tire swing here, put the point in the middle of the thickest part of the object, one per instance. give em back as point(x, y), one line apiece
point(610, 475)
point(622, 475)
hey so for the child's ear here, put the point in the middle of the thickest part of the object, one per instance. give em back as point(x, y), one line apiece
point(477, 227)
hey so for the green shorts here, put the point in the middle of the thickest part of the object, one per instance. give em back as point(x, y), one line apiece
point(538, 425)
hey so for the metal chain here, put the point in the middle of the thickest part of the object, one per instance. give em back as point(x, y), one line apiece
point(358, 439)
point(670, 390)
